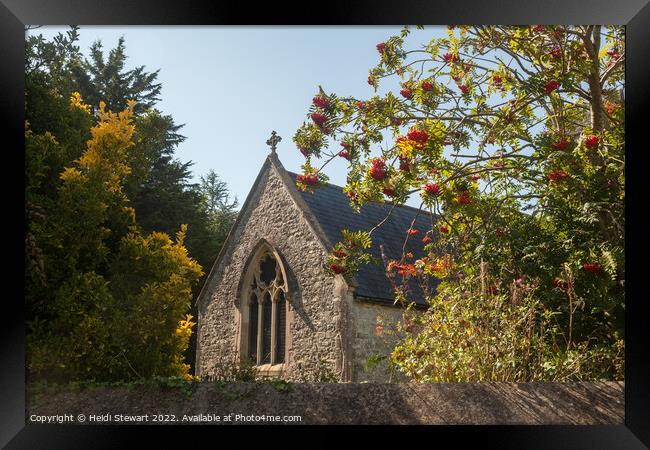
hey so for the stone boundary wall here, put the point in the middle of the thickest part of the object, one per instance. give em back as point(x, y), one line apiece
point(582, 403)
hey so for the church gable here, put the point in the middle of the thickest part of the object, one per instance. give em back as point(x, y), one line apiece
point(273, 214)
point(304, 322)
point(260, 202)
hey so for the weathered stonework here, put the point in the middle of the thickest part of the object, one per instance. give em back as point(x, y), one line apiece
point(582, 403)
point(330, 334)
point(372, 325)
point(314, 323)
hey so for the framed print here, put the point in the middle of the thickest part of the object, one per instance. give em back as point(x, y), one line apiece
point(413, 214)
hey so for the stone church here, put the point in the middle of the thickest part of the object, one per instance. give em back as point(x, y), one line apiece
point(269, 299)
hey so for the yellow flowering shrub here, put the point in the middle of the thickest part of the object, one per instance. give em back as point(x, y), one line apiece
point(183, 334)
point(77, 102)
point(120, 307)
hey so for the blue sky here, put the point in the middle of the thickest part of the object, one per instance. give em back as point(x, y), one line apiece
point(231, 86)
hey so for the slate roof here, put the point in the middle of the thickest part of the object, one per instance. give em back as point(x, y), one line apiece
point(330, 206)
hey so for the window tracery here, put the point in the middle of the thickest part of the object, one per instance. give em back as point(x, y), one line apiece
point(267, 312)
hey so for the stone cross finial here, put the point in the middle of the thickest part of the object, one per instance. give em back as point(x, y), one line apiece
point(273, 141)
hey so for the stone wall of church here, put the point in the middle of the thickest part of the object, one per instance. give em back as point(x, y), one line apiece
point(372, 324)
point(315, 311)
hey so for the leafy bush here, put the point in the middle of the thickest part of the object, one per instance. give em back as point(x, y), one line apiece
point(473, 334)
point(110, 303)
point(229, 369)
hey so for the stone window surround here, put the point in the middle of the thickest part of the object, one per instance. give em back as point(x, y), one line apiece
point(260, 252)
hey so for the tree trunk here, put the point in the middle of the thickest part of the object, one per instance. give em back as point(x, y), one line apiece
point(595, 89)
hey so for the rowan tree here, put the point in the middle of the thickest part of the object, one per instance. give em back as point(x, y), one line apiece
point(513, 140)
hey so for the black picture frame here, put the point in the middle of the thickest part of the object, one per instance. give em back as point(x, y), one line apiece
point(15, 14)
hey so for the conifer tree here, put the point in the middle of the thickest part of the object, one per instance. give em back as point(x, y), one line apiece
point(106, 297)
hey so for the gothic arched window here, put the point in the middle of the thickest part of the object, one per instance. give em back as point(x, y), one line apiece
point(264, 332)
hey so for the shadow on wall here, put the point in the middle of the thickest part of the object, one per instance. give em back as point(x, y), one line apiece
point(359, 403)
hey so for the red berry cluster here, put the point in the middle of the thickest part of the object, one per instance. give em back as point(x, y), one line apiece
point(464, 89)
point(318, 118)
point(371, 80)
point(381, 47)
point(340, 253)
point(464, 198)
point(412, 231)
point(363, 106)
point(321, 102)
point(419, 137)
point(497, 80)
point(406, 93)
point(450, 57)
point(443, 229)
point(427, 86)
point(388, 191)
point(344, 154)
point(404, 164)
point(310, 179)
point(336, 268)
point(614, 55)
point(591, 141)
point(592, 267)
point(561, 145)
point(475, 177)
point(557, 175)
point(378, 170)
point(426, 240)
point(432, 188)
point(551, 86)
